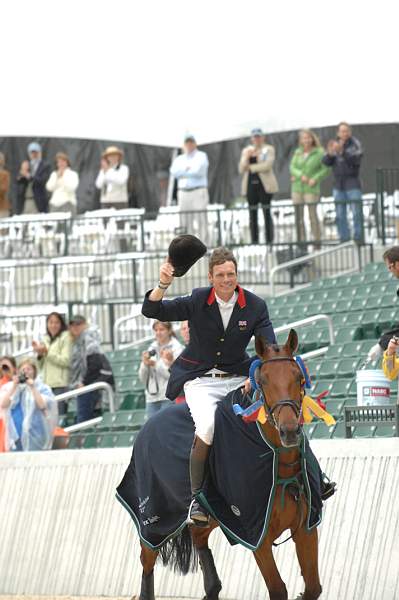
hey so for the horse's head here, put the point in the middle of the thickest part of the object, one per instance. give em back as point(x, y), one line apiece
point(281, 381)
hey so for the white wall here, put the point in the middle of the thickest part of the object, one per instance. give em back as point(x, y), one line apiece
point(63, 533)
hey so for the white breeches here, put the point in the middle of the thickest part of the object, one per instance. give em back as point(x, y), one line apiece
point(202, 395)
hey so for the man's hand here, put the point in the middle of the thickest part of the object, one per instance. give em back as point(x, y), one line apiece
point(166, 273)
point(332, 147)
point(393, 346)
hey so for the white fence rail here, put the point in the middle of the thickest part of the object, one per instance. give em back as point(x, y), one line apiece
point(63, 533)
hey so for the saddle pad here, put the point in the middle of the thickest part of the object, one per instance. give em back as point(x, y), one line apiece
point(240, 488)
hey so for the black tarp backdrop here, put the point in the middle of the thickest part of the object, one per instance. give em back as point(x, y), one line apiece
point(149, 164)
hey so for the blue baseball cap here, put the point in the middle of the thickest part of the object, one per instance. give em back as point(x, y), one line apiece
point(257, 131)
point(34, 147)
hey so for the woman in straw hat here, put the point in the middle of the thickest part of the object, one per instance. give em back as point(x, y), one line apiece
point(62, 184)
point(112, 179)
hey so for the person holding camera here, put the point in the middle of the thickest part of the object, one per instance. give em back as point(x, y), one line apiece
point(155, 365)
point(31, 410)
point(112, 179)
point(8, 368)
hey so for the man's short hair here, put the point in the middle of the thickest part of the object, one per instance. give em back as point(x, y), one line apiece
point(345, 124)
point(391, 255)
point(219, 256)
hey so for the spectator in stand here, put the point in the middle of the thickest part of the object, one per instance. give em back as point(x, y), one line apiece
point(8, 368)
point(307, 171)
point(190, 169)
point(31, 410)
point(54, 356)
point(32, 195)
point(185, 332)
point(4, 188)
point(86, 366)
point(258, 183)
point(63, 184)
point(155, 364)
point(112, 179)
point(344, 155)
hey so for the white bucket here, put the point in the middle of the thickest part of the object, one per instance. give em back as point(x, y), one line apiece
point(373, 388)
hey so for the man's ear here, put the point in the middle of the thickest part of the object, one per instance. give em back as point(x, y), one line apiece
point(210, 278)
point(261, 346)
point(292, 341)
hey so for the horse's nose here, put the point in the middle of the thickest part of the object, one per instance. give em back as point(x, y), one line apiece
point(289, 434)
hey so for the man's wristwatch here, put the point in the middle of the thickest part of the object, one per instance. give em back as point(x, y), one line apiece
point(163, 286)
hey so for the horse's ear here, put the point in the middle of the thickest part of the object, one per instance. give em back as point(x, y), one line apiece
point(261, 345)
point(292, 341)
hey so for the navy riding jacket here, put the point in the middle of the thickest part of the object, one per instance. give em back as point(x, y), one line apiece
point(210, 345)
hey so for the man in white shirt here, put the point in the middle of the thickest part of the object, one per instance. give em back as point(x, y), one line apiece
point(191, 171)
point(112, 179)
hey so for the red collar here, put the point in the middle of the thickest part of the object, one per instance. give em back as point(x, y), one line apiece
point(241, 300)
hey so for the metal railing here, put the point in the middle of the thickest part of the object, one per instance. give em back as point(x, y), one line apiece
point(107, 232)
point(387, 204)
point(349, 262)
point(99, 385)
point(309, 321)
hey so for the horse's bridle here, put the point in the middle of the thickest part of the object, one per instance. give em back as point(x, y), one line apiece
point(297, 408)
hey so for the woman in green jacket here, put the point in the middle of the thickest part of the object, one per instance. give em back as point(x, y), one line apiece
point(307, 171)
point(54, 356)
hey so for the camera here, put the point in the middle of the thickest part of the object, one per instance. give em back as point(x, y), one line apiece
point(152, 352)
point(22, 378)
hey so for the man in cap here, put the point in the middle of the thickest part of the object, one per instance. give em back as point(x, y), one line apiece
point(191, 171)
point(32, 195)
point(222, 319)
point(258, 182)
point(112, 179)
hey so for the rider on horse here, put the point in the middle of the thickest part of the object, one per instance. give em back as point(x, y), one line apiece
point(222, 318)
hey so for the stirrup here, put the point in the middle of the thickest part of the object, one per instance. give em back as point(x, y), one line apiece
point(197, 515)
point(328, 490)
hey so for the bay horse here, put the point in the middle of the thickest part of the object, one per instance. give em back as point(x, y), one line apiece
point(280, 380)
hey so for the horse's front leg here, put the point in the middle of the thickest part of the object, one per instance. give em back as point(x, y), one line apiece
point(147, 558)
point(267, 566)
point(306, 544)
point(212, 583)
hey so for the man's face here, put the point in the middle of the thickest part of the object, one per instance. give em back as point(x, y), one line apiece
point(76, 329)
point(393, 267)
point(258, 140)
point(344, 133)
point(189, 146)
point(224, 279)
point(34, 155)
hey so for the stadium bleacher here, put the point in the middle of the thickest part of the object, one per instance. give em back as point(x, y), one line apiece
point(361, 305)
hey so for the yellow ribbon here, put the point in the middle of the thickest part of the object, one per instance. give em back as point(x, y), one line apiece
point(310, 406)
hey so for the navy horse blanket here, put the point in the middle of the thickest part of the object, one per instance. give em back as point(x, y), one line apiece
point(240, 489)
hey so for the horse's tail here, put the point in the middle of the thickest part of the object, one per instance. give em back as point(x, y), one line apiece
point(180, 553)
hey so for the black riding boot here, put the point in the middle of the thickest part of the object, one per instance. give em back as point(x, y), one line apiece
point(198, 470)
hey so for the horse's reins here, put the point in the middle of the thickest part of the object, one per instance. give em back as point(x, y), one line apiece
point(272, 419)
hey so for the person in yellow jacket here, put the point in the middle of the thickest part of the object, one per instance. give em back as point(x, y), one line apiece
point(54, 356)
point(390, 360)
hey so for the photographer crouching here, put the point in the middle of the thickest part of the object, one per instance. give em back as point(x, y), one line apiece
point(155, 364)
point(30, 410)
